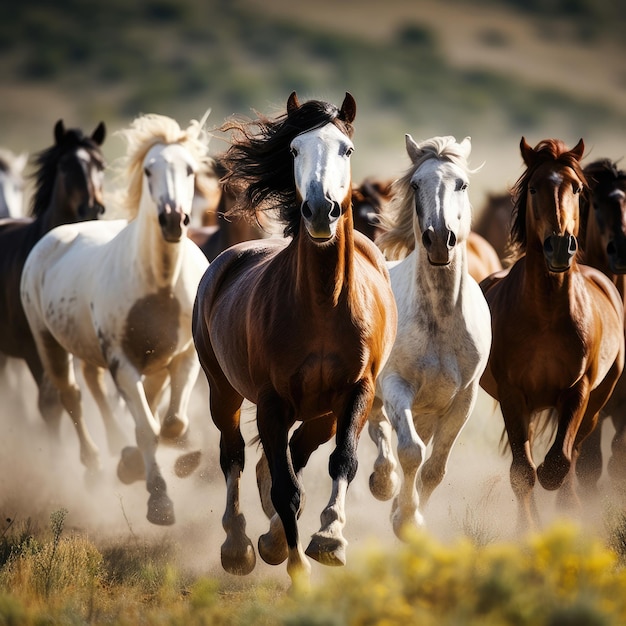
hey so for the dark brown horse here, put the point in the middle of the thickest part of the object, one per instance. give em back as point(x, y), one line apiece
point(229, 228)
point(68, 188)
point(605, 249)
point(369, 200)
point(558, 337)
point(493, 222)
point(299, 326)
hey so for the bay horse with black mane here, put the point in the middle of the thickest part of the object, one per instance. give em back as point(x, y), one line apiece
point(605, 248)
point(558, 338)
point(299, 326)
point(68, 189)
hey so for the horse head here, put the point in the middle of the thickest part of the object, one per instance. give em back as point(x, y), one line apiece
point(439, 183)
point(321, 166)
point(608, 200)
point(553, 184)
point(80, 171)
point(169, 173)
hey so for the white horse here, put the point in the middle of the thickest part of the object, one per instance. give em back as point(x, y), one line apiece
point(12, 183)
point(119, 295)
point(428, 387)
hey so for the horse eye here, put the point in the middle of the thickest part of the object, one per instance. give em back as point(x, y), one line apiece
point(349, 152)
point(577, 188)
point(294, 152)
point(463, 187)
point(532, 191)
point(147, 172)
point(414, 186)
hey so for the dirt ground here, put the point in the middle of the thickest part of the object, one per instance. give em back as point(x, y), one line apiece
point(38, 477)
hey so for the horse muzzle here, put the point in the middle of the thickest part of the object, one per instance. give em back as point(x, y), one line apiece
point(616, 253)
point(559, 252)
point(173, 223)
point(321, 218)
point(438, 245)
point(91, 211)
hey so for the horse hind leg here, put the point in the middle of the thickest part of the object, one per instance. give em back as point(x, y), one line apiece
point(94, 377)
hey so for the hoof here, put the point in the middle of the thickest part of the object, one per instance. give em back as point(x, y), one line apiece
point(272, 550)
point(160, 510)
point(384, 487)
point(237, 561)
point(173, 428)
point(552, 477)
point(186, 464)
point(404, 525)
point(131, 467)
point(327, 550)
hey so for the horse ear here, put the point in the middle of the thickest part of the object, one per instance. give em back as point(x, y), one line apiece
point(466, 147)
point(578, 150)
point(21, 161)
point(99, 134)
point(59, 131)
point(292, 102)
point(348, 109)
point(526, 150)
point(412, 148)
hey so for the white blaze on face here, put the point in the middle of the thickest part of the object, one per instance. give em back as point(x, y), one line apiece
point(322, 176)
point(170, 174)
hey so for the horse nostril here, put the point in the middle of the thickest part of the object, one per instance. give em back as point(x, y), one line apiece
point(335, 212)
point(451, 240)
point(611, 249)
point(427, 239)
point(572, 245)
point(162, 220)
point(547, 245)
point(186, 220)
point(306, 211)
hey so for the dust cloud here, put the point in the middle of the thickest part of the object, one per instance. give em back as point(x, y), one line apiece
point(39, 476)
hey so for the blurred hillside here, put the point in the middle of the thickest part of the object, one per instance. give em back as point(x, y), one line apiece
point(493, 69)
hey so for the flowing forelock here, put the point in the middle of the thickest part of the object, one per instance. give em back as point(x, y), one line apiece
point(397, 238)
point(144, 133)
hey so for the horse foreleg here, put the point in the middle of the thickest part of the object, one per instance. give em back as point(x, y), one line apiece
point(274, 420)
point(398, 397)
point(571, 409)
point(523, 473)
point(328, 545)
point(384, 480)
point(129, 384)
point(94, 377)
point(58, 365)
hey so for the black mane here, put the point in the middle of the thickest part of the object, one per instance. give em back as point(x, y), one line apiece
point(259, 165)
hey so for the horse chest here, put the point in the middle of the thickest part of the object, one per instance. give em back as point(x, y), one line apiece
point(152, 331)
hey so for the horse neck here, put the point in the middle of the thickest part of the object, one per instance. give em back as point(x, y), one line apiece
point(325, 271)
point(443, 285)
point(58, 211)
point(595, 253)
point(544, 287)
point(161, 260)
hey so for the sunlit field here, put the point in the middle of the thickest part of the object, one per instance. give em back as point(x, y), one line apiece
point(77, 551)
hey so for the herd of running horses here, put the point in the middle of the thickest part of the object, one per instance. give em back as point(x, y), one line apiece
point(327, 305)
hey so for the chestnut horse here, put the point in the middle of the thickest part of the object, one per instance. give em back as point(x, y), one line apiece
point(605, 249)
point(68, 188)
point(558, 336)
point(300, 326)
